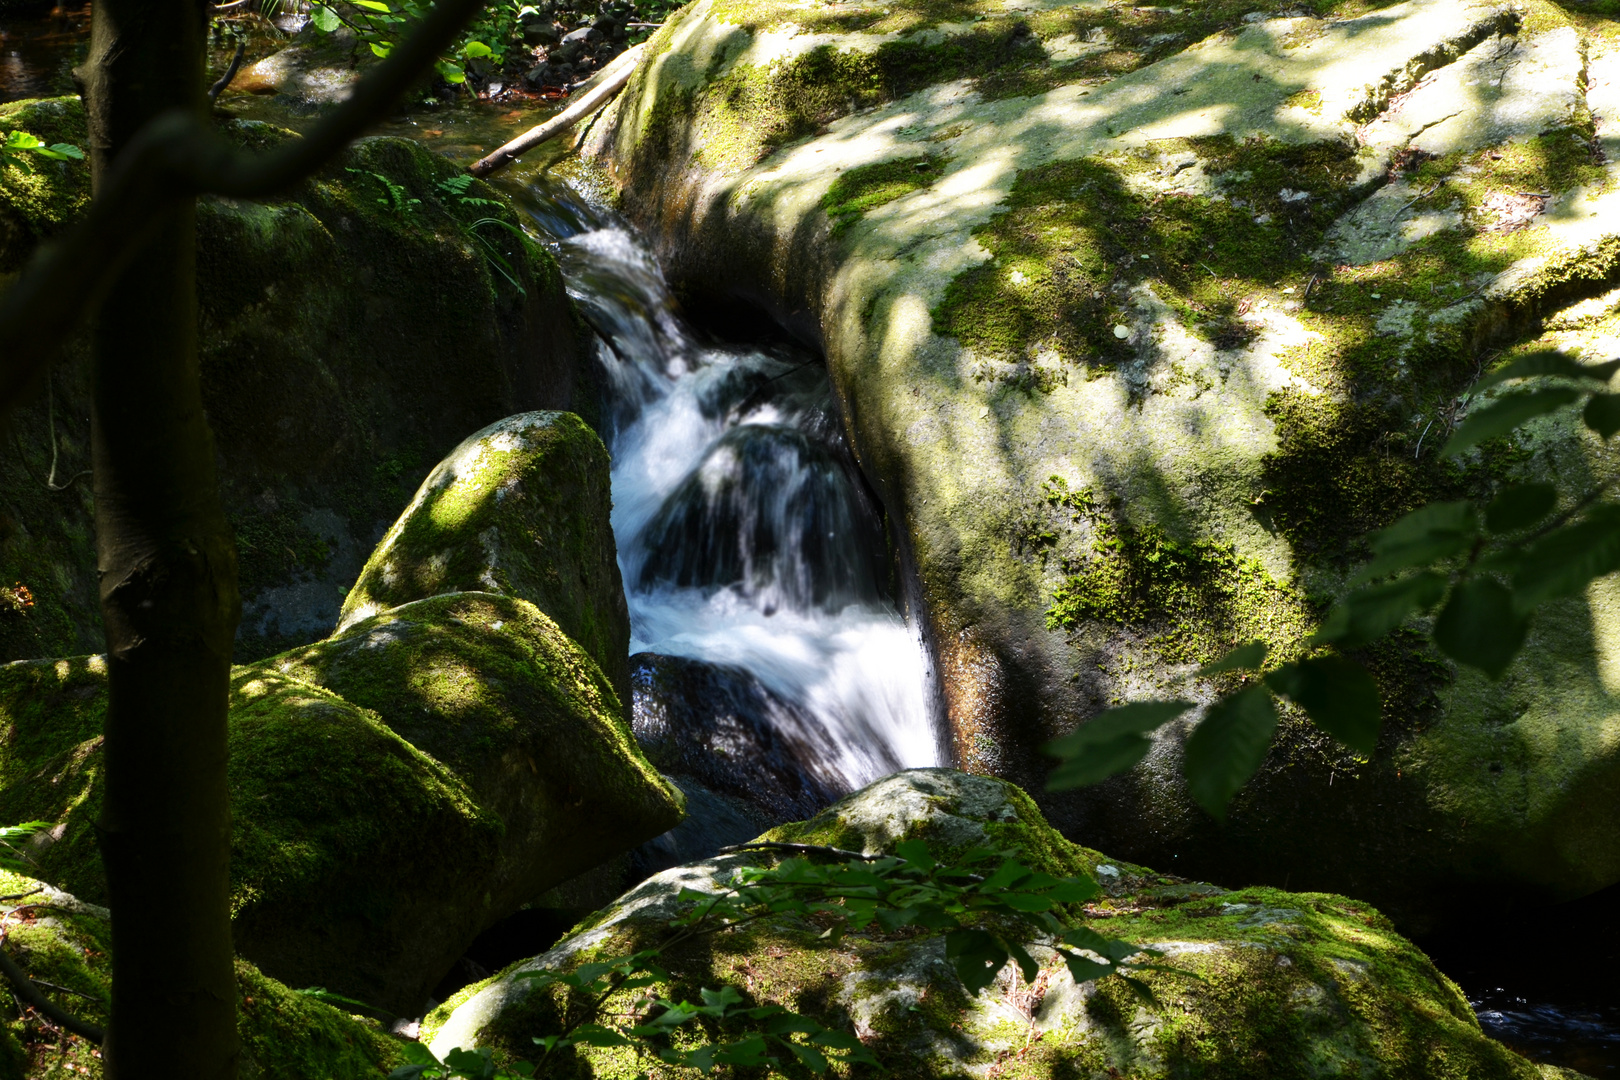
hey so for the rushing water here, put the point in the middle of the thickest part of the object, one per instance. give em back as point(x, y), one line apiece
point(745, 538)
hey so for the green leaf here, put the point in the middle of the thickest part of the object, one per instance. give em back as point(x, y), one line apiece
point(474, 49)
point(1243, 658)
point(1141, 990)
point(1548, 363)
point(808, 1056)
point(977, 955)
point(1506, 413)
point(916, 853)
point(1227, 747)
point(382, 48)
point(1479, 626)
point(1337, 694)
point(1109, 743)
point(1083, 969)
point(1520, 506)
point(324, 18)
point(1369, 613)
point(1602, 414)
point(1426, 535)
point(373, 5)
point(1565, 560)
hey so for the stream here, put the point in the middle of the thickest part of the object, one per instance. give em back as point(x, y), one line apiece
point(746, 539)
point(762, 603)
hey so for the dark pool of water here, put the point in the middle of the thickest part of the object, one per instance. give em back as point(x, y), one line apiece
point(37, 54)
point(1543, 980)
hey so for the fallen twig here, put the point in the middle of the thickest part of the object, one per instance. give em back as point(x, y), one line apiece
point(230, 73)
point(31, 993)
point(613, 77)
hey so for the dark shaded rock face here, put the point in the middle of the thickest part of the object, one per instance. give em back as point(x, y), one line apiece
point(395, 790)
point(722, 727)
point(351, 333)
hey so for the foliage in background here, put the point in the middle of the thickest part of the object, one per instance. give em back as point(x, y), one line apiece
point(1481, 571)
point(987, 904)
point(17, 147)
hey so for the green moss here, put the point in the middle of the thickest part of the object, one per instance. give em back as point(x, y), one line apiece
point(35, 203)
point(468, 676)
point(285, 1035)
point(520, 508)
point(1257, 983)
point(1077, 235)
point(866, 186)
point(292, 1036)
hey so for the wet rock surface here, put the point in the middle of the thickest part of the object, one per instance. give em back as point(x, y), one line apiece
point(722, 727)
point(1139, 320)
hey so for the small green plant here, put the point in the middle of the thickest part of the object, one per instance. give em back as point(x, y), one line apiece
point(18, 147)
point(377, 23)
point(987, 904)
point(395, 198)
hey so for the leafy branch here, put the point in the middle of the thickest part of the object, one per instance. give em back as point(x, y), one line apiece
point(1481, 572)
point(989, 906)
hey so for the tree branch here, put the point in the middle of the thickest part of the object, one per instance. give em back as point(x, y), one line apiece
point(32, 994)
point(230, 73)
point(176, 156)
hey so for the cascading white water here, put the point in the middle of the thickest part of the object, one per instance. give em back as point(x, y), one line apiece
point(743, 536)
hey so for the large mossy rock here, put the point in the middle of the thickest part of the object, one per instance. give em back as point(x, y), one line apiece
point(476, 758)
point(1140, 317)
point(65, 945)
point(351, 333)
point(522, 508)
point(1288, 984)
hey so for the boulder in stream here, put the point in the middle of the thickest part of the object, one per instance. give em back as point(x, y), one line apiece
point(722, 726)
point(476, 758)
point(520, 507)
point(1286, 984)
point(1139, 318)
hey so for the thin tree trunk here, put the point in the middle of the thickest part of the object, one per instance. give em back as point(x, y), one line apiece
point(168, 594)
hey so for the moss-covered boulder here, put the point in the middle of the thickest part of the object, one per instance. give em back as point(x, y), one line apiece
point(476, 758)
point(1140, 317)
point(351, 333)
point(521, 508)
point(65, 945)
point(1288, 984)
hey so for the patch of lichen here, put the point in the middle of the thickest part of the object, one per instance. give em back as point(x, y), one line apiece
point(860, 189)
point(747, 112)
point(37, 201)
point(1077, 235)
point(1195, 599)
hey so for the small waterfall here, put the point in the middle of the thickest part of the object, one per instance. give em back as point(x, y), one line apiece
point(752, 557)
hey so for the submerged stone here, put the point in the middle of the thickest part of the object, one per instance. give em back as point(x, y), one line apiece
point(1255, 983)
point(1139, 319)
